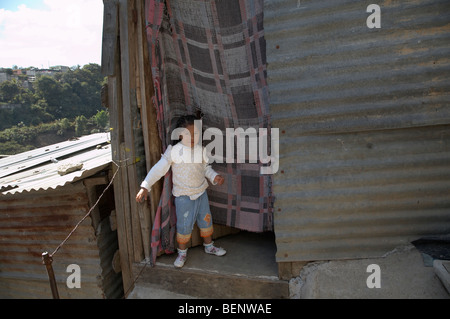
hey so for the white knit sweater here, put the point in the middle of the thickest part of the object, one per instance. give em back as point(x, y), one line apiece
point(189, 165)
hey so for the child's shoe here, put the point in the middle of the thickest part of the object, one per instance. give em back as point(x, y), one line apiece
point(181, 259)
point(213, 250)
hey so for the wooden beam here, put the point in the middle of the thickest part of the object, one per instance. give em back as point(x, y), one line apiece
point(117, 137)
point(289, 270)
point(122, 234)
point(153, 145)
point(110, 34)
point(128, 62)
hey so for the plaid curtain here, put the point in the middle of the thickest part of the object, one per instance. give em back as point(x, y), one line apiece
point(209, 57)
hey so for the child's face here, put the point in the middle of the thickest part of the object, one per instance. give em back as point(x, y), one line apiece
point(190, 136)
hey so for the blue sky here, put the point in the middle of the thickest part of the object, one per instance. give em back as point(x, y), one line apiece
point(12, 5)
point(45, 33)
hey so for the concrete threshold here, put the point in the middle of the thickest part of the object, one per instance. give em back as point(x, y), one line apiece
point(248, 254)
point(248, 270)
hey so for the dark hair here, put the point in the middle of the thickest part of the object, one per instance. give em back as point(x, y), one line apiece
point(184, 122)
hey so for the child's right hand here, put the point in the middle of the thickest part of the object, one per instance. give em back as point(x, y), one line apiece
point(142, 195)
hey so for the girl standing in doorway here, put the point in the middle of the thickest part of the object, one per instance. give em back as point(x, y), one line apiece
point(190, 169)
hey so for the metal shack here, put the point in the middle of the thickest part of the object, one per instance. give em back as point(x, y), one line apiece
point(359, 93)
point(39, 207)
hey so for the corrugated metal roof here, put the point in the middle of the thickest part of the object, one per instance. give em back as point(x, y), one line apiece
point(364, 120)
point(37, 169)
point(33, 221)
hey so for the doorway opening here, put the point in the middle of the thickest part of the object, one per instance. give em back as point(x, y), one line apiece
point(249, 254)
point(209, 58)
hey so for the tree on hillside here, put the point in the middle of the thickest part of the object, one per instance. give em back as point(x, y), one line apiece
point(65, 95)
point(8, 90)
point(51, 91)
point(86, 84)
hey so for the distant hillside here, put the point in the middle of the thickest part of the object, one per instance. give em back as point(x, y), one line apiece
point(51, 108)
point(21, 138)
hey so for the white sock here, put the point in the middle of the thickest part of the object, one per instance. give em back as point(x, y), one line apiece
point(209, 246)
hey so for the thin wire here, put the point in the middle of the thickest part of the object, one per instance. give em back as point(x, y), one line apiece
point(89, 212)
point(134, 282)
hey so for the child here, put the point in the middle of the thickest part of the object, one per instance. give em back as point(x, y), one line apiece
point(189, 168)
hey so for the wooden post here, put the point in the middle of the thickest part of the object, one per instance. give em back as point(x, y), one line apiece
point(129, 104)
point(47, 261)
point(115, 104)
point(110, 33)
point(152, 141)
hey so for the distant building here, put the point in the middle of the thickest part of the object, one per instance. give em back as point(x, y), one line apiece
point(4, 77)
point(19, 72)
point(48, 72)
point(61, 68)
point(31, 73)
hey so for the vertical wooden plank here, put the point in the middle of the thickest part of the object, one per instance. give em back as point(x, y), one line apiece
point(139, 171)
point(127, 202)
point(109, 38)
point(127, 47)
point(144, 86)
point(116, 135)
point(140, 226)
point(152, 140)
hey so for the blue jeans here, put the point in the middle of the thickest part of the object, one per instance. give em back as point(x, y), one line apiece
point(191, 211)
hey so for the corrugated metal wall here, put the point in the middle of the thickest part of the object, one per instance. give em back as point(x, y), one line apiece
point(364, 121)
point(34, 222)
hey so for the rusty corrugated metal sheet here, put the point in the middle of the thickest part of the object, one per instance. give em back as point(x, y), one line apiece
point(32, 223)
point(39, 212)
point(364, 119)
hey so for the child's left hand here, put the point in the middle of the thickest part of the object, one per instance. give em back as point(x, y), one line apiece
point(219, 180)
